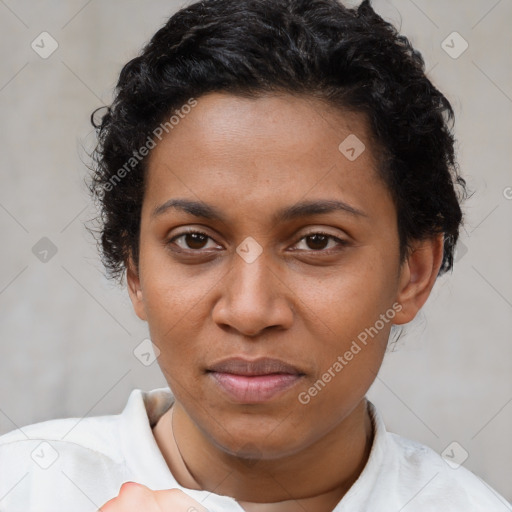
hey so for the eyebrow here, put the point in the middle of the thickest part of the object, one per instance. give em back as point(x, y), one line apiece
point(303, 209)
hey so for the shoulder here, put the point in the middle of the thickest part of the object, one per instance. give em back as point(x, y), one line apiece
point(78, 459)
point(99, 434)
point(68, 463)
point(403, 474)
point(434, 480)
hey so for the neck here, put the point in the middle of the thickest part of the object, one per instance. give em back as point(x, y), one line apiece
point(317, 477)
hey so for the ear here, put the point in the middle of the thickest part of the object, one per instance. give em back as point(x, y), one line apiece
point(135, 289)
point(418, 275)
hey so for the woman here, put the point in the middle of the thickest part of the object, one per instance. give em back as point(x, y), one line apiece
point(278, 184)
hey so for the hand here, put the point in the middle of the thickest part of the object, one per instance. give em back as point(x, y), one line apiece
point(135, 497)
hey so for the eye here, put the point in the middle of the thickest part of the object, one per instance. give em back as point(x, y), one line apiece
point(192, 240)
point(195, 241)
point(319, 242)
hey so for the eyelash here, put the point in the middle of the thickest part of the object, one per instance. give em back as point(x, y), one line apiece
point(340, 242)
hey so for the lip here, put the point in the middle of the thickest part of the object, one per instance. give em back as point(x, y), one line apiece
point(256, 381)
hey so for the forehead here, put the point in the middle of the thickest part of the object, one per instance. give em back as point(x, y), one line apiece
point(248, 152)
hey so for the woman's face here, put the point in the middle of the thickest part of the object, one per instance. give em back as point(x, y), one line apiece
point(297, 260)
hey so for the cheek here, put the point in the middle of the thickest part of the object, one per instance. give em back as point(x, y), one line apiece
point(352, 340)
point(170, 290)
point(348, 301)
point(350, 315)
point(175, 301)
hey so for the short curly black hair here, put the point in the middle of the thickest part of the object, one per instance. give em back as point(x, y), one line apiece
point(350, 58)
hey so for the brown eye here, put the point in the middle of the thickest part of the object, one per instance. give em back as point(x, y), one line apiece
point(195, 240)
point(192, 240)
point(319, 242)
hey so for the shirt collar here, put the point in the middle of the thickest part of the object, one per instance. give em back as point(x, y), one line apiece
point(142, 454)
point(148, 466)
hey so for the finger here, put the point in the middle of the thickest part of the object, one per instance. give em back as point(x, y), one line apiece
point(132, 497)
point(177, 501)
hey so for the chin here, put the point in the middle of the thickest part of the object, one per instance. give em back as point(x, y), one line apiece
point(251, 444)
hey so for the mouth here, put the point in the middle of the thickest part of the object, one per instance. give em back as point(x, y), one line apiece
point(252, 382)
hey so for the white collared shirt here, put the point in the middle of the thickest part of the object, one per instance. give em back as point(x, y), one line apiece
point(78, 464)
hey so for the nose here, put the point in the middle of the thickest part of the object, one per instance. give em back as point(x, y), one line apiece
point(254, 297)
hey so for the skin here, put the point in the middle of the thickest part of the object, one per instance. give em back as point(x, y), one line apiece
point(134, 497)
point(302, 300)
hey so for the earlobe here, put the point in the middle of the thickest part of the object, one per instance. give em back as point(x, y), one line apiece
point(418, 276)
point(135, 290)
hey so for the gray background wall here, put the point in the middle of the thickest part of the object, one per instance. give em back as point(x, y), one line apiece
point(67, 335)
